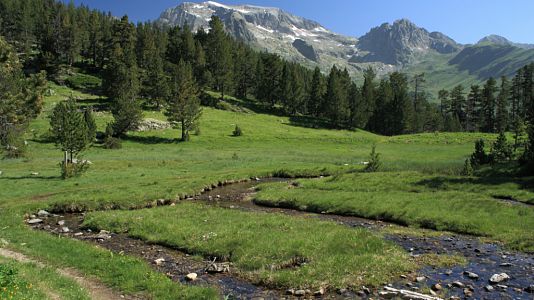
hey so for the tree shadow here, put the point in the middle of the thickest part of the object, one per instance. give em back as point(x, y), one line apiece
point(150, 140)
point(250, 104)
point(310, 122)
point(98, 104)
point(38, 177)
point(439, 182)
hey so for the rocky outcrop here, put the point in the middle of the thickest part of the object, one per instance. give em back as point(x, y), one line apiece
point(399, 42)
point(306, 50)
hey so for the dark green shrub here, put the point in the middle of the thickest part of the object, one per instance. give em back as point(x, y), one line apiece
point(501, 150)
point(479, 157)
point(468, 168)
point(73, 169)
point(237, 131)
point(374, 161)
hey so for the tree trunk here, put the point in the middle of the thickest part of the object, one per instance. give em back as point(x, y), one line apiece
point(184, 138)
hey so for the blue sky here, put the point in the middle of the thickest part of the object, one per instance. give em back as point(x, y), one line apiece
point(466, 21)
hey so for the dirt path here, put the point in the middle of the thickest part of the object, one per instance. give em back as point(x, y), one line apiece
point(96, 290)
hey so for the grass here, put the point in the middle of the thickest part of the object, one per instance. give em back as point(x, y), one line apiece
point(456, 204)
point(264, 247)
point(30, 281)
point(153, 165)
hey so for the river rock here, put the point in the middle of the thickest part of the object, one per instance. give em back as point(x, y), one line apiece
point(35, 221)
point(300, 293)
point(458, 284)
point(530, 289)
point(61, 222)
point(505, 265)
point(65, 229)
point(191, 276)
point(43, 213)
point(489, 288)
point(34, 173)
point(319, 292)
point(468, 293)
point(437, 287)
point(218, 268)
point(420, 279)
point(498, 278)
point(471, 275)
point(159, 261)
point(290, 292)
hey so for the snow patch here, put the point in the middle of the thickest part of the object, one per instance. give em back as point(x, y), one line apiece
point(213, 3)
point(320, 29)
point(264, 29)
point(302, 32)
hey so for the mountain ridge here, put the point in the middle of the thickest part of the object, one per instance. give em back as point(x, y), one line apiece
point(397, 46)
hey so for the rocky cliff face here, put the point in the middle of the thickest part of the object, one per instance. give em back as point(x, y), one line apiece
point(401, 42)
point(274, 30)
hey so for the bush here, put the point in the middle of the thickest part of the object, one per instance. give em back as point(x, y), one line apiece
point(13, 142)
point(468, 168)
point(501, 150)
point(73, 169)
point(112, 143)
point(479, 157)
point(237, 131)
point(374, 161)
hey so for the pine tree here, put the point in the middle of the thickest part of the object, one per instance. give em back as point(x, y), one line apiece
point(366, 104)
point(121, 81)
point(501, 113)
point(183, 104)
point(444, 101)
point(458, 103)
point(69, 128)
point(488, 106)
point(317, 92)
point(21, 99)
point(337, 97)
point(472, 109)
point(90, 124)
point(219, 56)
point(419, 100)
point(269, 79)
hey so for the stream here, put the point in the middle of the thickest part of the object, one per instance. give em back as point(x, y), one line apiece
point(459, 282)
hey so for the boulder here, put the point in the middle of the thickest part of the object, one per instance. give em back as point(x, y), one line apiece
point(43, 213)
point(498, 278)
point(471, 275)
point(153, 124)
point(191, 276)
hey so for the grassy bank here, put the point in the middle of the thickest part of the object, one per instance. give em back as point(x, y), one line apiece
point(457, 204)
point(266, 248)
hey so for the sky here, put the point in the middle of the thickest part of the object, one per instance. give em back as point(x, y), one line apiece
point(466, 21)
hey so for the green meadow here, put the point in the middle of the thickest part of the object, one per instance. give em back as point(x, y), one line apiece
point(418, 187)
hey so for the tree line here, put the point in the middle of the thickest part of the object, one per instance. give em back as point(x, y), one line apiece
point(142, 61)
point(169, 67)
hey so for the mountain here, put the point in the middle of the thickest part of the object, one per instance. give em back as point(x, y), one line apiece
point(274, 30)
point(401, 42)
point(401, 45)
point(500, 40)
